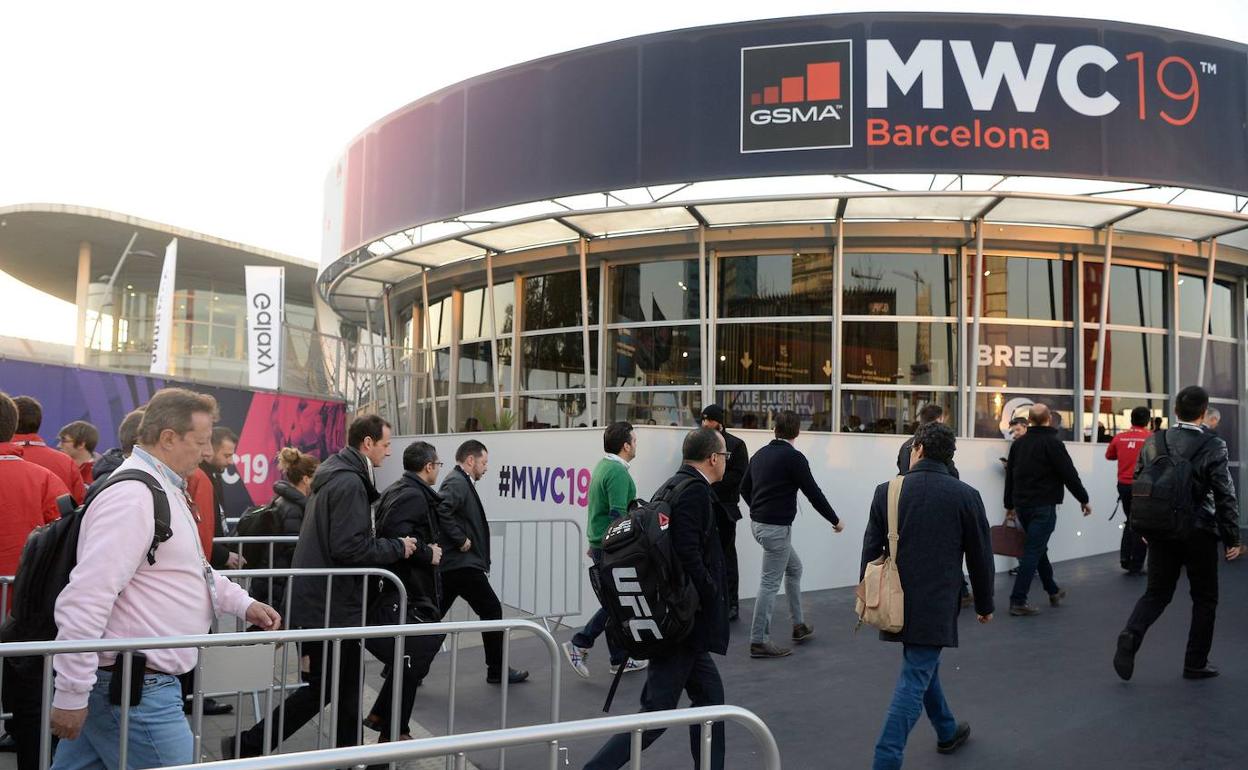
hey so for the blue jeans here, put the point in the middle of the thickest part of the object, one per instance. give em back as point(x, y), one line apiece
point(1039, 524)
point(780, 561)
point(159, 735)
point(586, 637)
point(918, 689)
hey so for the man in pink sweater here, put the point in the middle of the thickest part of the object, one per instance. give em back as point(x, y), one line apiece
point(114, 592)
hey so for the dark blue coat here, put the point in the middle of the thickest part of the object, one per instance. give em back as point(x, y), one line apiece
point(695, 538)
point(939, 520)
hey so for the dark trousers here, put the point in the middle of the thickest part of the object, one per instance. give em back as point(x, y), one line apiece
point(1198, 554)
point(418, 655)
point(692, 672)
point(305, 703)
point(1039, 524)
point(728, 542)
point(586, 637)
point(474, 586)
point(1133, 550)
point(23, 698)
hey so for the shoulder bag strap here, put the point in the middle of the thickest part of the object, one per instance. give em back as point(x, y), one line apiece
point(894, 498)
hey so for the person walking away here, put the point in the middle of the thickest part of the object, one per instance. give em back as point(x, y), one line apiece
point(611, 489)
point(465, 544)
point(78, 441)
point(337, 532)
point(1037, 468)
point(775, 475)
point(290, 500)
point(127, 437)
point(408, 508)
point(928, 414)
point(728, 496)
point(120, 590)
point(689, 666)
point(1125, 448)
point(940, 522)
point(37, 451)
point(1211, 514)
point(28, 502)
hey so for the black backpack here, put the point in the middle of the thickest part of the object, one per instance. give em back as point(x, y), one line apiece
point(259, 521)
point(1162, 496)
point(51, 553)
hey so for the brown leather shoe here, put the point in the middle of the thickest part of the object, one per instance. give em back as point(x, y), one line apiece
point(1023, 610)
point(1056, 599)
point(768, 650)
point(802, 632)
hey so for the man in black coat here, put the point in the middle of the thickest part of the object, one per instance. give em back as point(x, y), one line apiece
point(689, 666)
point(940, 520)
point(929, 413)
point(224, 441)
point(1214, 516)
point(337, 532)
point(728, 494)
point(465, 544)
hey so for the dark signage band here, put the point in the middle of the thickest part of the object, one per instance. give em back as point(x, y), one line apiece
point(816, 95)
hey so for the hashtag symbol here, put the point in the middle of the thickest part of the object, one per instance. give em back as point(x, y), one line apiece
point(504, 481)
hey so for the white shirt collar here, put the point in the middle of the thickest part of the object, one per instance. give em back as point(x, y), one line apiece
point(618, 459)
point(1189, 425)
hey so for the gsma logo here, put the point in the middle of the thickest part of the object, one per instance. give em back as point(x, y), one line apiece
point(797, 96)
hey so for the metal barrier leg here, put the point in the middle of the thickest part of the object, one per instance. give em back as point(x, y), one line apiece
point(123, 750)
point(335, 686)
point(634, 752)
point(707, 731)
point(506, 678)
point(45, 719)
point(450, 700)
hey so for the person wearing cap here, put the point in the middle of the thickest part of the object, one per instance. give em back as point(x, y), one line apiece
point(727, 493)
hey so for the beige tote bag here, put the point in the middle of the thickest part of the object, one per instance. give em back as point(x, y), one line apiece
point(880, 600)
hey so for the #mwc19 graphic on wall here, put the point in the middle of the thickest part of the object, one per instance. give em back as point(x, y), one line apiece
point(264, 422)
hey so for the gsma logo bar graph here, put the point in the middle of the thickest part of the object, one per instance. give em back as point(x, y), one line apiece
point(797, 96)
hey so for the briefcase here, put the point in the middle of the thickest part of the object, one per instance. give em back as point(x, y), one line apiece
point(1008, 539)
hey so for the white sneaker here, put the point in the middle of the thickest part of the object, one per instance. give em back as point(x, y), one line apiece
point(631, 666)
point(577, 658)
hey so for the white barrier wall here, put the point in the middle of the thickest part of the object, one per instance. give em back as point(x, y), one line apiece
point(553, 468)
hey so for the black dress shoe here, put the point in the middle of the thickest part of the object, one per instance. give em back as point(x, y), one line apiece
point(212, 707)
point(514, 676)
point(959, 738)
point(1204, 672)
point(7, 743)
point(1124, 656)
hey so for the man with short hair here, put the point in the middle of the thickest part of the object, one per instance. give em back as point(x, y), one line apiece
point(212, 519)
point(1125, 448)
point(928, 414)
point(1017, 427)
point(611, 489)
point(1036, 470)
point(728, 496)
point(1213, 418)
point(127, 437)
point(78, 440)
point(337, 532)
point(117, 592)
point(466, 552)
point(940, 521)
point(37, 451)
point(776, 473)
point(1214, 516)
point(689, 667)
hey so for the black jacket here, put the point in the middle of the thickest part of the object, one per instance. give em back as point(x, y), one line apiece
point(903, 460)
point(290, 504)
point(408, 508)
point(695, 540)
point(1217, 510)
point(220, 552)
point(109, 462)
point(1036, 469)
point(728, 489)
point(775, 474)
point(462, 517)
point(939, 521)
point(337, 531)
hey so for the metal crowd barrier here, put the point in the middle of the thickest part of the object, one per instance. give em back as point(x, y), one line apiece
point(272, 541)
point(457, 746)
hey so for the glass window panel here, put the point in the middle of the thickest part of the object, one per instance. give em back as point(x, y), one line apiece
point(775, 285)
point(1137, 295)
point(556, 361)
point(1134, 362)
point(231, 309)
point(1022, 287)
point(1115, 416)
point(1192, 306)
point(442, 371)
point(561, 410)
point(656, 407)
point(439, 322)
point(774, 353)
point(900, 284)
point(475, 368)
point(225, 341)
point(663, 355)
point(475, 414)
point(554, 301)
point(993, 412)
point(888, 353)
point(890, 411)
point(657, 291)
point(758, 408)
point(477, 313)
point(1221, 371)
point(1025, 357)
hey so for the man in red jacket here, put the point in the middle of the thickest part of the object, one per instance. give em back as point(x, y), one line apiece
point(37, 451)
point(1125, 448)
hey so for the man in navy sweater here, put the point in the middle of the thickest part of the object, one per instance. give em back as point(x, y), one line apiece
point(776, 473)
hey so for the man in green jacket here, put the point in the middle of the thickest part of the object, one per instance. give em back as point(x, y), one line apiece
point(611, 489)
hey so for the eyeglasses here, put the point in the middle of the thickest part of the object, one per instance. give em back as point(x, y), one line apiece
point(725, 455)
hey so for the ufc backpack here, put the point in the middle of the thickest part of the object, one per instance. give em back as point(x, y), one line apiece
point(1162, 499)
point(51, 553)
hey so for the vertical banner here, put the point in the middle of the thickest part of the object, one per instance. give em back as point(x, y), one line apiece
point(265, 295)
point(162, 329)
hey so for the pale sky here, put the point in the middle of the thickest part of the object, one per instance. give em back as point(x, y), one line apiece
point(224, 117)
